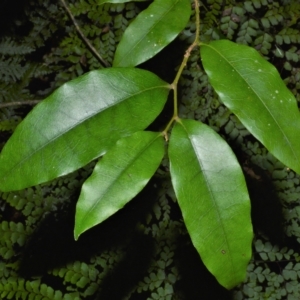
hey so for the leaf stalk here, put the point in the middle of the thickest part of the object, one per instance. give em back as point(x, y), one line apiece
point(181, 68)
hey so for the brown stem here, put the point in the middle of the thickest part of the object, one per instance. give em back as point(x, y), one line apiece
point(27, 102)
point(85, 39)
point(180, 70)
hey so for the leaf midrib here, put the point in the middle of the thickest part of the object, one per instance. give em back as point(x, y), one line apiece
point(27, 158)
point(212, 195)
point(126, 55)
point(120, 174)
point(282, 132)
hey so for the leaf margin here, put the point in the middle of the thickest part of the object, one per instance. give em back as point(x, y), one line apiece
point(236, 275)
point(112, 162)
point(38, 118)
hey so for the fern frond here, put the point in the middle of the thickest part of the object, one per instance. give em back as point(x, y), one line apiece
point(247, 31)
point(263, 43)
point(291, 10)
point(19, 288)
point(10, 47)
point(11, 69)
point(213, 11)
point(11, 233)
point(10, 125)
point(288, 36)
point(273, 17)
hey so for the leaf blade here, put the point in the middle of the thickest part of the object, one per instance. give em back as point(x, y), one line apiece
point(79, 122)
point(117, 178)
point(253, 90)
point(203, 169)
point(143, 39)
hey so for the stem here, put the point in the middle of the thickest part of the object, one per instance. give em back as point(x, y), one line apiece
point(85, 39)
point(27, 102)
point(180, 70)
point(197, 11)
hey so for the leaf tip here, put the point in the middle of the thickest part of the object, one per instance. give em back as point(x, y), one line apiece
point(76, 235)
point(77, 231)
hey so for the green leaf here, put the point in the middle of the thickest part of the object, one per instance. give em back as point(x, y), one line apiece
point(151, 31)
point(119, 176)
point(252, 89)
point(212, 194)
point(80, 121)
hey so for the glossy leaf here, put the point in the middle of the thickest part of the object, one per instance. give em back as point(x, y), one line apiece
point(212, 194)
point(119, 176)
point(252, 89)
point(152, 30)
point(79, 122)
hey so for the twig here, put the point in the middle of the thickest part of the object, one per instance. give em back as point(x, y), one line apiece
point(182, 66)
point(85, 39)
point(27, 102)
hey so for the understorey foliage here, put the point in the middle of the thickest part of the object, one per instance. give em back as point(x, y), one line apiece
point(39, 52)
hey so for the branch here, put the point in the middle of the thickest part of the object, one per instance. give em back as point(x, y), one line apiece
point(182, 66)
point(27, 102)
point(85, 39)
